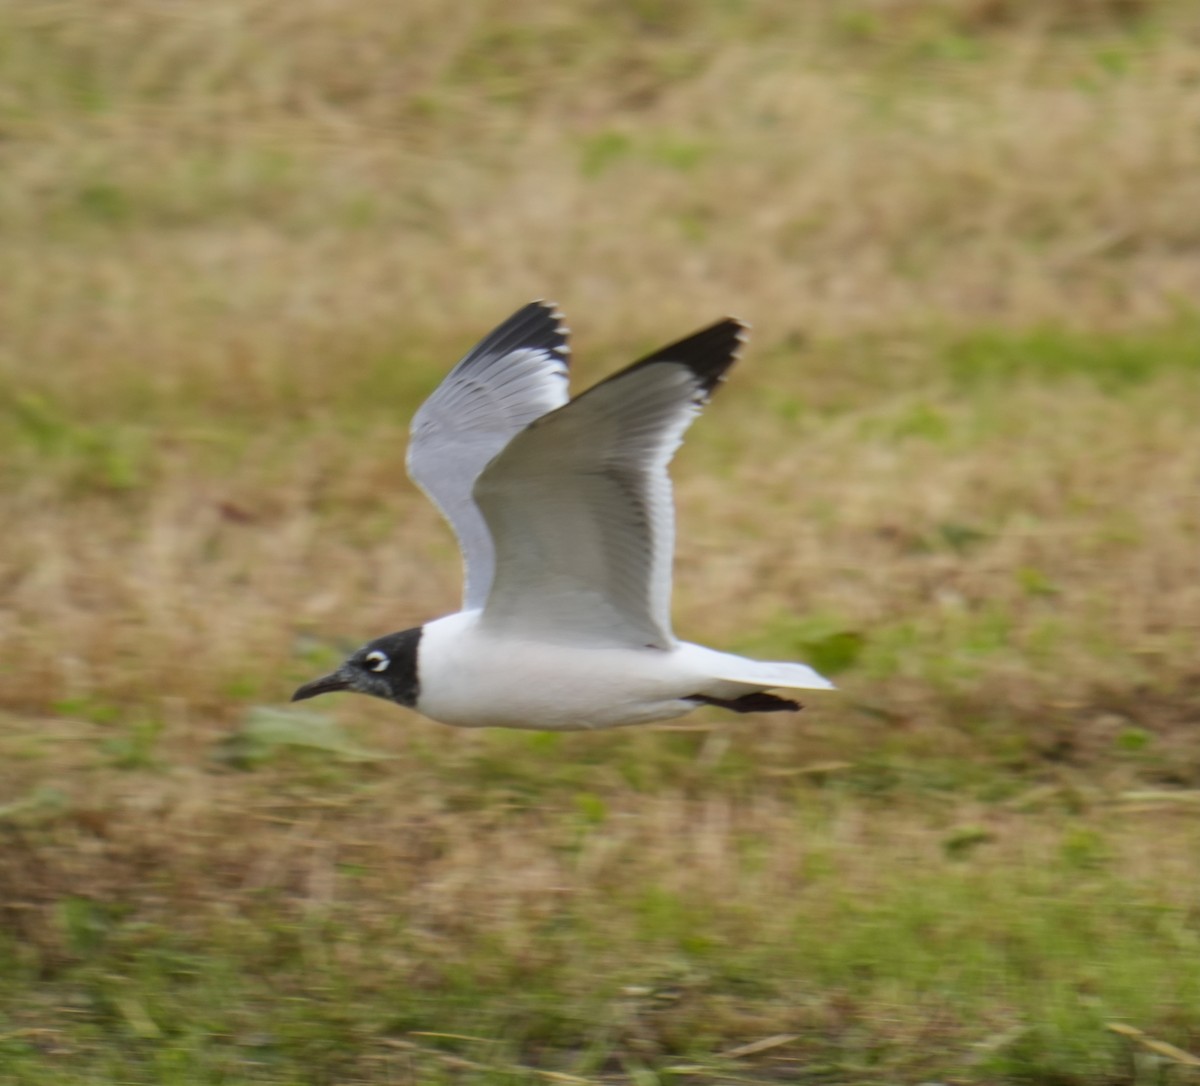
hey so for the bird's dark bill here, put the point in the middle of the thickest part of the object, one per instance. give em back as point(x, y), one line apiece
point(327, 684)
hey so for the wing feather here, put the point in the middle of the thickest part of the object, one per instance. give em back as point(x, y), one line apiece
point(580, 507)
point(513, 376)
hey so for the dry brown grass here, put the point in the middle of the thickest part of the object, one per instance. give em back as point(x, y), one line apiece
point(243, 184)
point(242, 239)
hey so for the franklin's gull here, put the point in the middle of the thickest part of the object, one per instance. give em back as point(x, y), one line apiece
point(564, 514)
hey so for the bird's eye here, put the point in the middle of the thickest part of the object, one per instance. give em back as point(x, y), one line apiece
point(376, 660)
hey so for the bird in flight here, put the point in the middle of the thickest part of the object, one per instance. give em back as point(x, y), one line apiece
point(564, 514)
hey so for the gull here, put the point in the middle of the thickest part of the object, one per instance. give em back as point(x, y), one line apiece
point(564, 514)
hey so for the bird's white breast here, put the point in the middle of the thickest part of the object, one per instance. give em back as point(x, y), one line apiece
point(471, 679)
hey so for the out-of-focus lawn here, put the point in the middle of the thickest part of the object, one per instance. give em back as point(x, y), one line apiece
point(958, 467)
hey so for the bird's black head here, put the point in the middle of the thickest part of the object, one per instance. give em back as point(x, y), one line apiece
point(384, 668)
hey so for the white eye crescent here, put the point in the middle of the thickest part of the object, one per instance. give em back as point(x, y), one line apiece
point(376, 660)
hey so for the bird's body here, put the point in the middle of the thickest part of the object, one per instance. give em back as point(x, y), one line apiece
point(470, 679)
point(564, 514)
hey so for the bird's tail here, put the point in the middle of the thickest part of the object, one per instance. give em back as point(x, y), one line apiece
point(769, 674)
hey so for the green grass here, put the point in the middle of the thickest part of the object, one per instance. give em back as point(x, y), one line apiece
point(913, 970)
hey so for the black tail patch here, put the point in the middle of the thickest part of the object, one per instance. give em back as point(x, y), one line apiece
point(758, 702)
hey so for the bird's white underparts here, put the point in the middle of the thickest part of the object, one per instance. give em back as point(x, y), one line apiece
point(564, 514)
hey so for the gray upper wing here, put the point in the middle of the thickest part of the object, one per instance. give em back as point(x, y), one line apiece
point(580, 505)
point(516, 374)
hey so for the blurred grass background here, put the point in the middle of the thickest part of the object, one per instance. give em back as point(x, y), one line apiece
point(958, 466)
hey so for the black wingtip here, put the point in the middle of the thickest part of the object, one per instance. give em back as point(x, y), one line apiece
point(708, 353)
point(538, 325)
